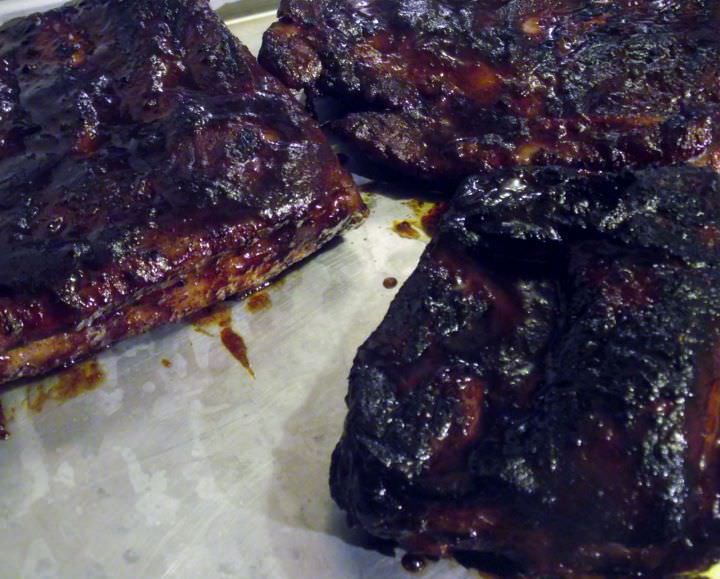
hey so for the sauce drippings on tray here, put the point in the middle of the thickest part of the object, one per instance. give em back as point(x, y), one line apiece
point(69, 384)
point(165, 362)
point(258, 302)
point(233, 342)
point(427, 217)
point(427, 214)
point(413, 563)
point(405, 228)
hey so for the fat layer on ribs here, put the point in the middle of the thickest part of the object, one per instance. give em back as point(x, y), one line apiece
point(441, 89)
point(546, 386)
point(148, 168)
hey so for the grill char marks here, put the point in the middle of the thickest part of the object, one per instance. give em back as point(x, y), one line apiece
point(544, 387)
point(440, 90)
point(145, 156)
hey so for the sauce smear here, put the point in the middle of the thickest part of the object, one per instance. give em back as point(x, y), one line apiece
point(233, 342)
point(258, 302)
point(69, 384)
point(236, 346)
point(405, 229)
point(427, 214)
point(390, 282)
point(431, 219)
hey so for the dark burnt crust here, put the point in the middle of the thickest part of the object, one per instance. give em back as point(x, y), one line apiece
point(545, 385)
point(140, 142)
point(440, 89)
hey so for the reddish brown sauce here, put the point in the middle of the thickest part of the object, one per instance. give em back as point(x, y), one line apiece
point(405, 229)
point(390, 282)
point(221, 316)
point(431, 219)
point(165, 362)
point(236, 346)
point(69, 384)
point(413, 563)
point(427, 214)
point(258, 302)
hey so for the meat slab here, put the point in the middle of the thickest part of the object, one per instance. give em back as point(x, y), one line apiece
point(148, 168)
point(546, 386)
point(441, 89)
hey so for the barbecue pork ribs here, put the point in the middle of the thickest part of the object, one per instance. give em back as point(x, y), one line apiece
point(148, 168)
point(546, 385)
point(441, 89)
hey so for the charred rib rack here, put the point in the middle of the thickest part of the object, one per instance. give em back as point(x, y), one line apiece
point(439, 89)
point(148, 168)
point(545, 387)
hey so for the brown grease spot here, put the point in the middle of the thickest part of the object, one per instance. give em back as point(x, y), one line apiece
point(258, 302)
point(390, 282)
point(69, 384)
point(236, 346)
point(221, 316)
point(165, 362)
point(427, 213)
point(405, 229)
point(431, 219)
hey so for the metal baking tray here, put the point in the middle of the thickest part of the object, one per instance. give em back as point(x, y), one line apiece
point(179, 463)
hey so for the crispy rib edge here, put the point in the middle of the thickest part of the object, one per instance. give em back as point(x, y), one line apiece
point(190, 294)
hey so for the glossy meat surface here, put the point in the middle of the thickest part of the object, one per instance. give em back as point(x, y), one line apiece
point(441, 89)
point(546, 386)
point(148, 168)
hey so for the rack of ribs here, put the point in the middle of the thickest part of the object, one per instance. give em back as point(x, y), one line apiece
point(546, 385)
point(441, 89)
point(148, 168)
